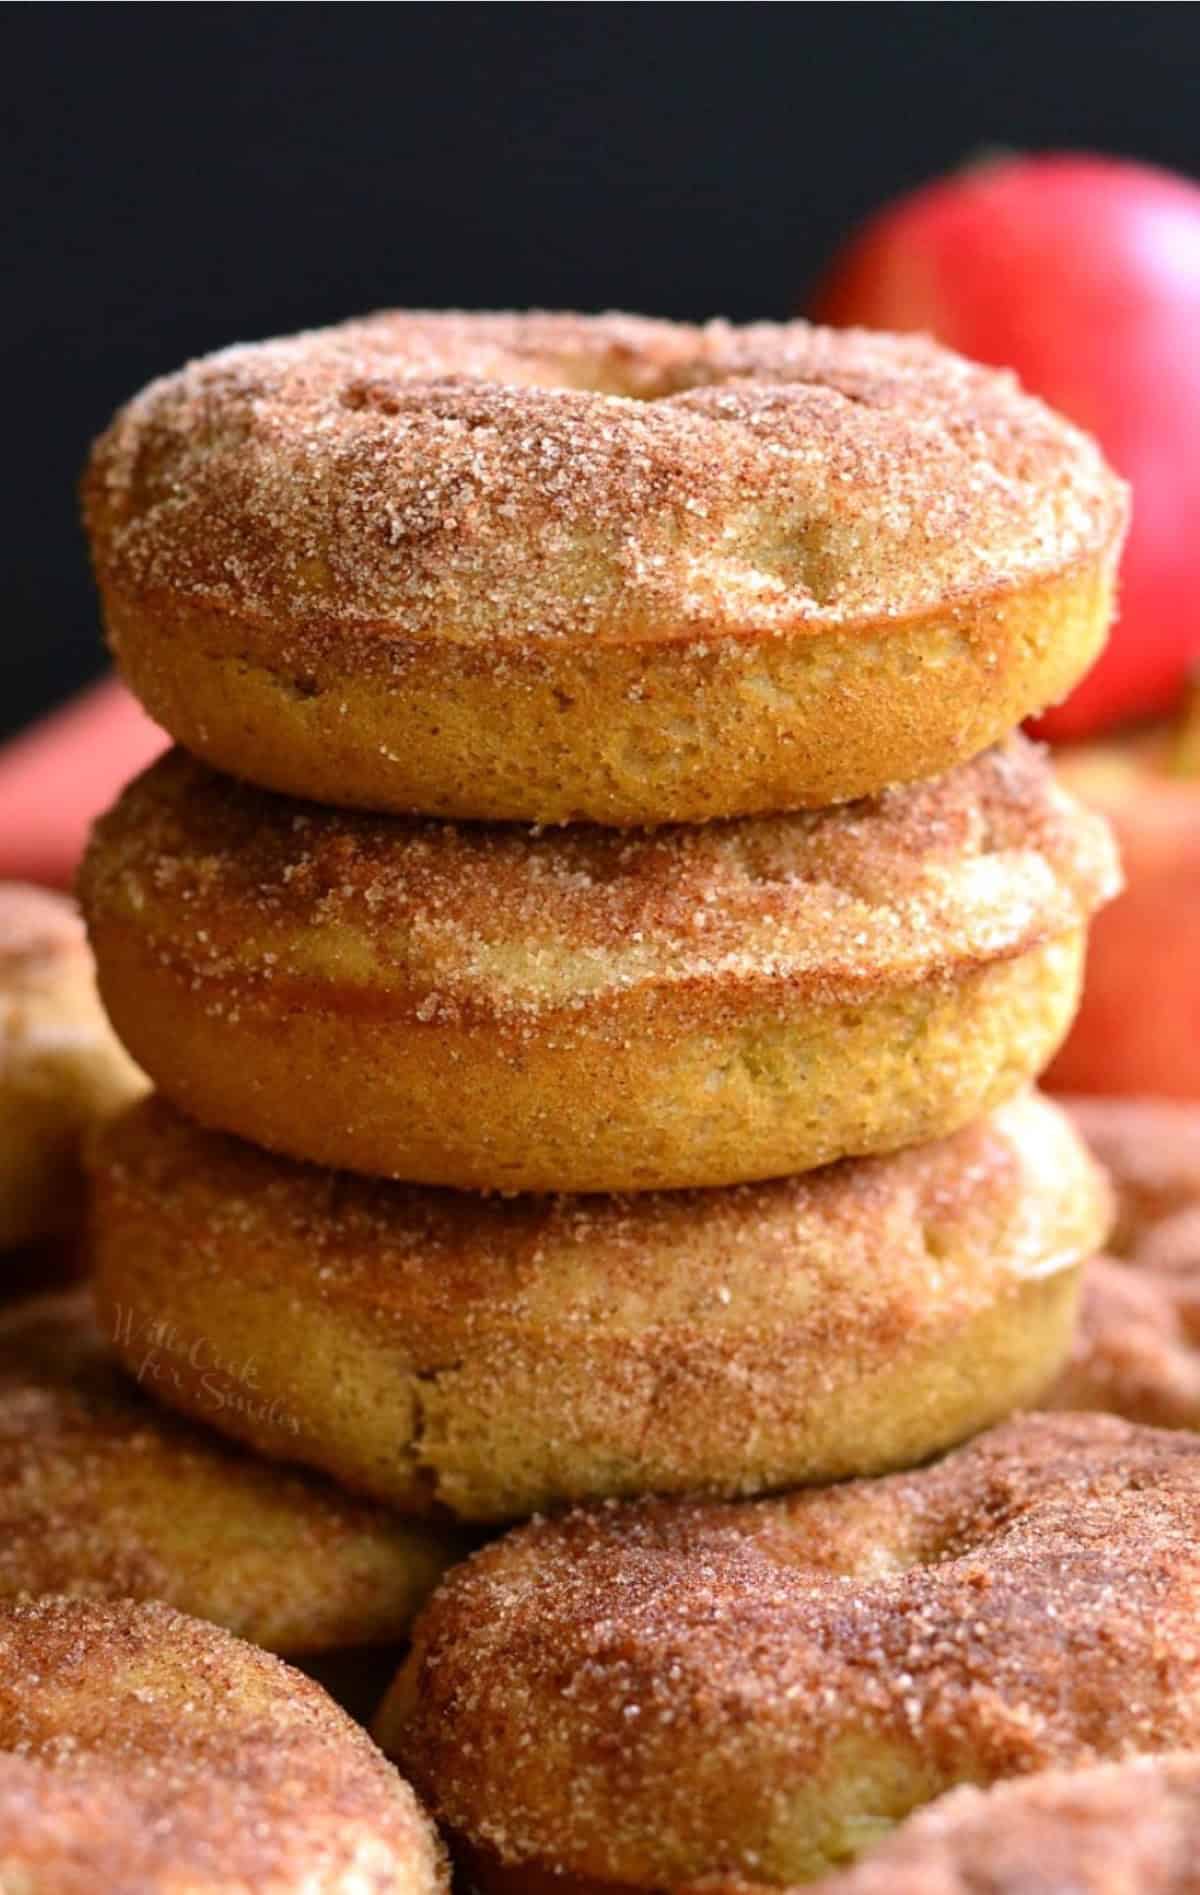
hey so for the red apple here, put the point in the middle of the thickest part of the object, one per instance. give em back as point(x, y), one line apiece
point(1138, 1030)
point(1083, 274)
point(57, 777)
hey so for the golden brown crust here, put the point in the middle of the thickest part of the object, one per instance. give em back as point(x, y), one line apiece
point(585, 1009)
point(1137, 1346)
point(61, 1066)
point(1129, 1828)
point(142, 1750)
point(503, 1355)
point(650, 1694)
point(549, 567)
point(106, 1496)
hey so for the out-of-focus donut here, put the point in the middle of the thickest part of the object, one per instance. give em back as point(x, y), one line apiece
point(1128, 1828)
point(61, 1066)
point(1137, 1345)
point(108, 1496)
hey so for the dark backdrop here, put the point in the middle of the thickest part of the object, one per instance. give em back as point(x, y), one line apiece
point(179, 176)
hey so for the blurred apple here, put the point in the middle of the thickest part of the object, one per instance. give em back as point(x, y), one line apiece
point(1083, 274)
point(1138, 1030)
point(57, 777)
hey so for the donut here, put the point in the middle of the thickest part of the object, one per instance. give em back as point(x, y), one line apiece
point(60, 1063)
point(584, 1009)
point(1128, 1828)
point(1137, 1344)
point(550, 567)
point(105, 1494)
point(141, 1750)
point(1151, 1151)
point(1136, 1350)
point(496, 1355)
point(645, 1694)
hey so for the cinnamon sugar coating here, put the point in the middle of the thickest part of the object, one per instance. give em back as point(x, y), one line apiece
point(106, 1495)
point(1128, 1828)
point(588, 1009)
point(1137, 1347)
point(654, 1693)
point(61, 1066)
point(500, 1355)
point(1151, 1150)
point(547, 567)
point(144, 1751)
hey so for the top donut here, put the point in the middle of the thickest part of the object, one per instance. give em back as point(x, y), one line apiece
point(553, 567)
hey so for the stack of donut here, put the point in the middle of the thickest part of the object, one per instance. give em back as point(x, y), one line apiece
point(593, 946)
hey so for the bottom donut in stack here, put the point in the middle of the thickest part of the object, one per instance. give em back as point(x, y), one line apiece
point(496, 1356)
point(642, 1696)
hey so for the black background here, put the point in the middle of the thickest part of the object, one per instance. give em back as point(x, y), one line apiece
point(176, 177)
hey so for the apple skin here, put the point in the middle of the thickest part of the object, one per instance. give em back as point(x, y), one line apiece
point(1138, 1029)
point(1082, 273)
point(60, 774)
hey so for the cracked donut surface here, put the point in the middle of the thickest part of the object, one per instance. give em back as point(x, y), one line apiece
point(550, 568)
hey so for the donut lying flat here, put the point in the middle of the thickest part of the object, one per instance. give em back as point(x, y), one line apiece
point(502, 1355)
point(585, 1010)
point(60, 1063)
point(105, 1494)
point(646, 1695)
point(1136, 1350)
point(548, 568)
point(144, 1751)
point(1117, 1829)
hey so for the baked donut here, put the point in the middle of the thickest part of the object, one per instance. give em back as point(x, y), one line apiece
point(1151, 1151)
point(60, 1063)
point(104, 1494)
point(144, 1751)
point(502, 1355)
point(588, 1010)
point(648, 1694)
point(1128, 1828)
point(549, 568)
point(1136, 1350)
